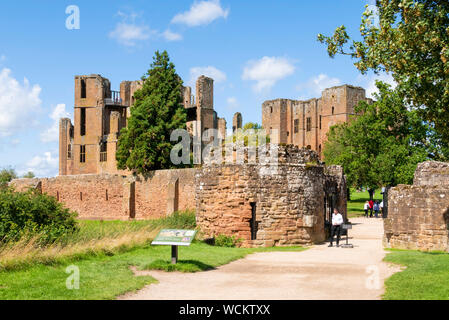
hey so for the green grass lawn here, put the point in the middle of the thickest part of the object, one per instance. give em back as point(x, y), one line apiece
point(358, 199)
point(425, 278)
point(106, 277)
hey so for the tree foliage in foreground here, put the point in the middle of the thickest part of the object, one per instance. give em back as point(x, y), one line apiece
point(411, 41)
point(383, 145)
point(158, 110)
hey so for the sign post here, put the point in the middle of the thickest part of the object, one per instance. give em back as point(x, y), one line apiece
point(174, 238)
point(347, 226)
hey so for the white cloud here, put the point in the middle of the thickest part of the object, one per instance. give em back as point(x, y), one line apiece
point(315, 86)
point(171, 36)
point(52, 133)
point(45, 165)
point(201, 13)
point(232, 103)
point(209, 71)
point(267, 71)
point(369, 83)
point(129, 34)
point(18, 103)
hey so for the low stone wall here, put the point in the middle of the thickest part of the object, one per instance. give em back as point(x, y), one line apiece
point(120, 197)
point(418, 215)
point(418, 218)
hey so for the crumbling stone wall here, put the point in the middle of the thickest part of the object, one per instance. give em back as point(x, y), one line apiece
point(335, 185)
point(288, 199)
point(432, 173)
point(119, 197)
point(418, 215)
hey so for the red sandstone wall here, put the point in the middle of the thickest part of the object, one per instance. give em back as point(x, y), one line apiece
point(114, 197)
point(152, 194)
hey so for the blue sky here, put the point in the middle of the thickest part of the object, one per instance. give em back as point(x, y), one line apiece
point(255, 51)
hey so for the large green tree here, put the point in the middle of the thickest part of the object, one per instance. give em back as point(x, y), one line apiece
point(410, 40)
point(158, 110)
point(383, 144)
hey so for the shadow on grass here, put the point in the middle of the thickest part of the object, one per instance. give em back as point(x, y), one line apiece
point(182, 266)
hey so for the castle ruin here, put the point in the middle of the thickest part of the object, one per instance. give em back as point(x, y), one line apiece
point(306, 123)
point(89, 145)
point(288, 206)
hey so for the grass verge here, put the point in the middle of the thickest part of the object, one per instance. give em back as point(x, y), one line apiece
point(93, 238)
point(425, 278)
point(107, 276)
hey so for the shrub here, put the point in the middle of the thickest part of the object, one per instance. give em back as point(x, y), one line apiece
point(31, 213)
point(225, 241)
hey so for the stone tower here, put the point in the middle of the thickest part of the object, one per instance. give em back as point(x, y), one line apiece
point(89, 145)
point(306, 123)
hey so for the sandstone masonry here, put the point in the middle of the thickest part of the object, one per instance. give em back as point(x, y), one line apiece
point(418, 215)
point(270, 206)
point(117, 197)
point(306, 123)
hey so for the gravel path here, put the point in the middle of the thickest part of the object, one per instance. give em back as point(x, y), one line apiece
point(317, 273)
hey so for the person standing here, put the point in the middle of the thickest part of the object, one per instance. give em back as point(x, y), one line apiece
point(381, 206)
point(376, 209)
point(371, 206)
point(337, 221)
point(366, 208)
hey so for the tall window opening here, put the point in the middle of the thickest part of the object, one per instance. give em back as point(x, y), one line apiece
point(296, 126)
point(82, 153)
point(69, 151)
point(83, 122)
point(309, 124)
point(320, 122)
point(83, 89)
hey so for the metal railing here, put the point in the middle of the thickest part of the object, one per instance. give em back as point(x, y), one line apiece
point(115, 99)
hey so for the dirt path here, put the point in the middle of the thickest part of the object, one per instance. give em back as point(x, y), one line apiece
point(317, 273)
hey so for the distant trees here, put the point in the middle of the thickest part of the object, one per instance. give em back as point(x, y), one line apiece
point(29, 175)
point(252, 125)
point(6, 175)
point(158, 110)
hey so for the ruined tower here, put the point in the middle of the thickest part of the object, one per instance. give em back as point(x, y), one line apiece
point(306, 123)
point(89, 146)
